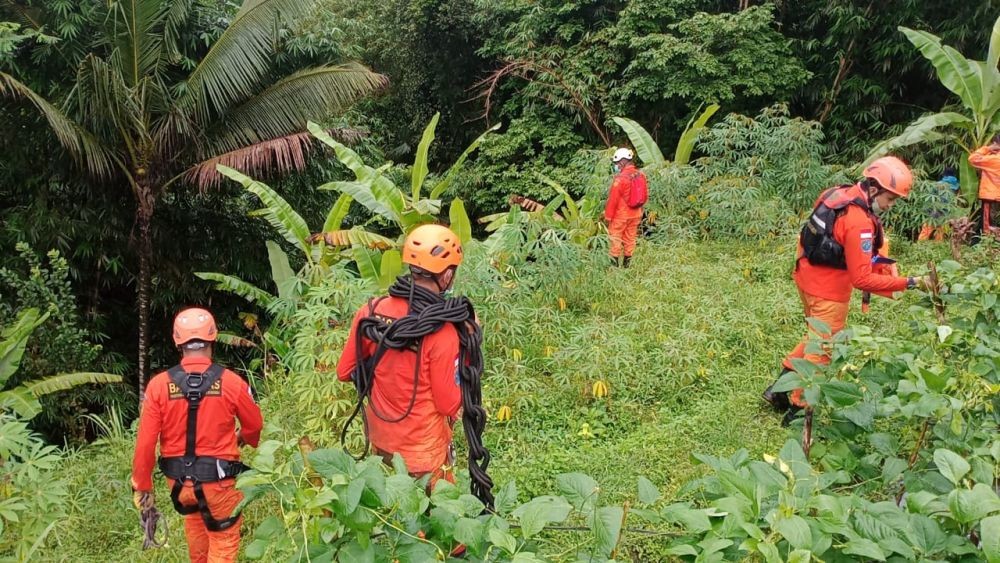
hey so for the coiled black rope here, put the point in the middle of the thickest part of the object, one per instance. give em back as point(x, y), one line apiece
point(150, 519)
point(428, 312)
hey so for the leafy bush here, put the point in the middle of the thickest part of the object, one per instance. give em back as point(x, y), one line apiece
point(61, 344)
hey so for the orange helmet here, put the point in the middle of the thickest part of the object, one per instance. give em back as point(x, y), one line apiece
point(891, 174)
point(433, 248)
point(194, 324)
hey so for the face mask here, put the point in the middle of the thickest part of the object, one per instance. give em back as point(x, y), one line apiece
point(876, 208)
point(616, 168)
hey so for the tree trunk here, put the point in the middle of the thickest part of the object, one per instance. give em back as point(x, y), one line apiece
point(144, 216)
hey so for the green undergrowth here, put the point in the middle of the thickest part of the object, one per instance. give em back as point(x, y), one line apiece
point(685, 340)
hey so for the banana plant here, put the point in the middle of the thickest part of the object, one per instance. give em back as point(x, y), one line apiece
point(377, 193)
point(24, 399)
point(320, 251)
point(976, 84)
point(647, 149)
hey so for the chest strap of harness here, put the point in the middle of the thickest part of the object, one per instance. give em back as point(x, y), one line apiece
point(191, 467)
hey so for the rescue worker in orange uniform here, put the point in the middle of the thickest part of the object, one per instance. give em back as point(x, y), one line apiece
point(837, 253)
point(415, 394)
point(987, 160)
point(622, 219)
point(191, 411)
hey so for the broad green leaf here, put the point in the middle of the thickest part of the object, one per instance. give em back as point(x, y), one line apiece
point(65, 381)
point(953, 70)
point(470, 533)
point(281, 272)
point(923, 130)
point(606, 524)
point(572, 209)
point(693, 520)
point(369, 264)
point(419, 171)
point(795, 530)
point(390, 268)
point(643, 142)
point(770, 552)
point(682, 549)
point(841, 393)
point(990, 535)
point(648, 493)
point(460, 221)
point(379, 195)
point(800, 556)
point(502, 540)
point(362, 192)
point(539, 512)
point(951, 465)
point(686, 143)
point(972, 505)
point(579, 489)
point(335, 217)
point(15, 339)
point(927, 534)
point(865, 548)
point(506, 499)
point(236, 286)
point(21, 401)
point(441, 187)
point(289, 224)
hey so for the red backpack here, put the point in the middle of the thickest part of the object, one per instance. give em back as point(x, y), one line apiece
point(638, 192)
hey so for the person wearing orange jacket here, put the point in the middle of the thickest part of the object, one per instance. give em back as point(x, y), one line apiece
point(191, 411)
point(623, 219)
point(987, 160)
point(410, 354)
point(838, 252)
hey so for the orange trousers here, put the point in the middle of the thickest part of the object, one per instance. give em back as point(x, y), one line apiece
point(928, 232)
point(212, 547)
point(623, 232)
point(834, 315)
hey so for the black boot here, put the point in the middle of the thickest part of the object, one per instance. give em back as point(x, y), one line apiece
point(778, 400)
point(616, 262)
point(625, 261)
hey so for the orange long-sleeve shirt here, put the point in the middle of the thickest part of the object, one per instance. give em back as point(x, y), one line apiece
point(164, 421)
point(425, 434)
point(617, 208)
point(988, 163)
point(855, 231)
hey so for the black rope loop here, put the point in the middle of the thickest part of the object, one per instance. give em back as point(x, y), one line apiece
point(428, 313)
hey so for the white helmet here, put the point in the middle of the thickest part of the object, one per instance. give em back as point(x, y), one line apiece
point(622, 154)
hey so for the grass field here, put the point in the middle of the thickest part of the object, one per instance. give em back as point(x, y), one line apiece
point(686, 340)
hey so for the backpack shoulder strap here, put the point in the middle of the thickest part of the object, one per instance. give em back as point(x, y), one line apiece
point(193, 387)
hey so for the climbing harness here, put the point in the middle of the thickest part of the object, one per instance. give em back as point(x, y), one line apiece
point(428, 312)
point(194, 387)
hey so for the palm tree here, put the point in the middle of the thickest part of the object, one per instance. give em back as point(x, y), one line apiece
point(138, 116)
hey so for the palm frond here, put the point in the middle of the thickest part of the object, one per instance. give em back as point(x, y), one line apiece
point(80, 143)
point(140, 41)
point(177, 15)
point(66, 381)
point(236, 286)
point(285, 107)
point(278, 155)
point(102, 97)
point(233, 67)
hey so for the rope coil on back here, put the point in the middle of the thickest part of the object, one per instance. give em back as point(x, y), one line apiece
point(428, 312)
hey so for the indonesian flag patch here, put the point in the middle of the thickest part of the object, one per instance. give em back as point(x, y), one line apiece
point(867, 238)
